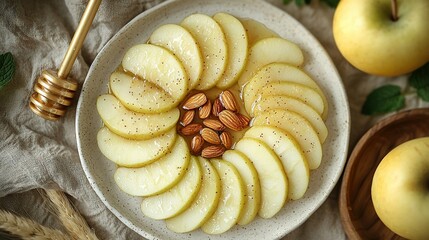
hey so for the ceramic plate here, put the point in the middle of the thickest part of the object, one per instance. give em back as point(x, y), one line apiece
point(317, 63)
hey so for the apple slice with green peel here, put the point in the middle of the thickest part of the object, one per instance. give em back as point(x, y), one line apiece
point(178, 198)
point(269, 50)
point(231, 199)
point(290, 154)
point(295, 90)
point(158, 176)
point(183, 45)
point(140, 96)
point(159, 66)
point(299, 128)
point(134, 153)
point(273, 180)
point(133, 125)
point(251, 182)
point(256, 30)
point(292, 104)
point(212, 42)
point(204, 204)
point(236, 39)
point(282, 72)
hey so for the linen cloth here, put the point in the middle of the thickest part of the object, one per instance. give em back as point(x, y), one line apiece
point(37, 154)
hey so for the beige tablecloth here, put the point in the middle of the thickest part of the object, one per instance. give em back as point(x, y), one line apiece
point(35, 153)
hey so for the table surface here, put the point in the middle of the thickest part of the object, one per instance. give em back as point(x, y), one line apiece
point(37, 154)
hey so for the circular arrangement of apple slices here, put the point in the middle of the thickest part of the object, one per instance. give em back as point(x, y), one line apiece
point(269, 162)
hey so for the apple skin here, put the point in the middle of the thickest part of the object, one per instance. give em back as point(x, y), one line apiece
point(400, 189)
point(372, 42)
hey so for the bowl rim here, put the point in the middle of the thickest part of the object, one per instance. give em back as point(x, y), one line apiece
point(344, 200)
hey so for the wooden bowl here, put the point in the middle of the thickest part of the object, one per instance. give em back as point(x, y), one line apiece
point(358, 216)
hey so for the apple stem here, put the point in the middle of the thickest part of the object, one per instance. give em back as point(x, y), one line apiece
point(394, 7)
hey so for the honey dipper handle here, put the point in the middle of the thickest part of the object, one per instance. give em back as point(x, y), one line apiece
point(78, 38)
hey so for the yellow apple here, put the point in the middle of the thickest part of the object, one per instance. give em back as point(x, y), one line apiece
point(372, 41)
point(400, 189)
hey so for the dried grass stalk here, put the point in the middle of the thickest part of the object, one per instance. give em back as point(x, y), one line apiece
point(71, 219)
point(28, 229)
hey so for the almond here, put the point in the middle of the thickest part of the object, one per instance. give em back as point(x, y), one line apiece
point(214, 124)
point(217, 107)
point(210, 136)
point(191, 129)
point(230, 120)
point(228, 101)
point(226, 139)
point(213, 151)
point(187, 118)
point(195, 101)
point(245, 120)
point(197, 144)
point(205, 110)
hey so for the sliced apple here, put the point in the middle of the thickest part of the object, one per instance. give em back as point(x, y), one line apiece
point(283, 72)
point(292, 104)
point(236, 39)
point(231, 199)
point(133, 125)
point(299, 128)
point(295, 90)
point(269, 50)
point(158, 176)
point(178, 198)
point(134, 153)
point(264, 79)
point(290, 154)
point(273, 180)
point(140, 96)
point(204, 204)
point(159, 66)
point(251, 182)
point(256, 30)
point(183, 45)
point(211, 40)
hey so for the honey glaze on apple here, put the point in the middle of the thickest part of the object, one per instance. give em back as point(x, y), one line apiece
point(135, 77)
point(138, 94)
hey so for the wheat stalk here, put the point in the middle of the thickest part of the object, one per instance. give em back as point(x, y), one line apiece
point(71, 219)
point(28, 229)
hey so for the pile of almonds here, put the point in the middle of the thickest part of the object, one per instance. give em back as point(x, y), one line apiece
point(208, 123)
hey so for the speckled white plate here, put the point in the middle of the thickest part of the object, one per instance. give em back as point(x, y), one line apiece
point(318, 64)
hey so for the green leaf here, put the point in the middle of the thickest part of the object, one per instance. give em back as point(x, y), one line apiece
point(331, 3)
point(300, 3)
point(423, 93)
point(7, 68)
point(420, 77)
point(286, 1)
point(383, 100)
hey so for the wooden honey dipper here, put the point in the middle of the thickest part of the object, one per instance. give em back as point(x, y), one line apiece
point(53, 92)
